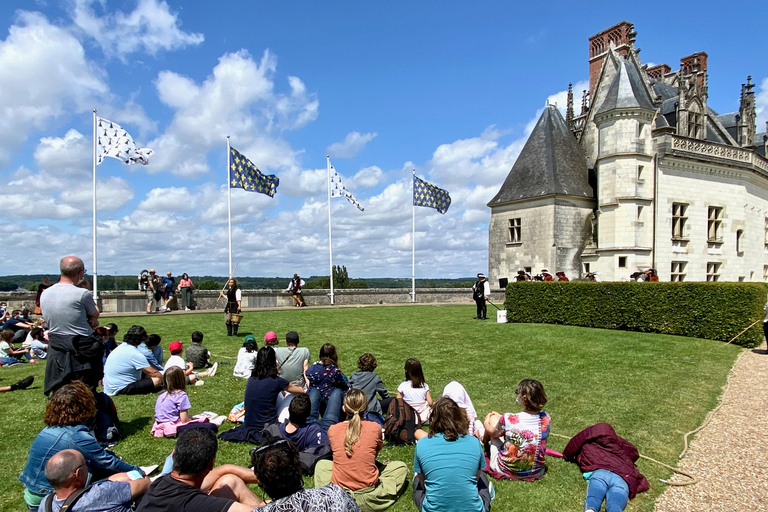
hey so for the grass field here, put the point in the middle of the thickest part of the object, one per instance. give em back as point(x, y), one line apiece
point(651, 388)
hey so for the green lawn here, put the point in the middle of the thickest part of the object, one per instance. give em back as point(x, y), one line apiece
point(651, 388)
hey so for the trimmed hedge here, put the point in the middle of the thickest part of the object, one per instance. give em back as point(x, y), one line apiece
point(717, 311)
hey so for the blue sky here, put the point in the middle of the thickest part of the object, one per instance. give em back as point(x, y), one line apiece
point(450, 88)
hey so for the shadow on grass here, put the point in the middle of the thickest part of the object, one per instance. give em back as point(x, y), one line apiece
point(128, 428)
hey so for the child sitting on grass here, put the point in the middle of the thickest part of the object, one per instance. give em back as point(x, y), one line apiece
point(193, 377)
point(197, 354)
point(370, 383)
point(518, 440)
point(246, 358)
point(172, 406)
point(415, 391)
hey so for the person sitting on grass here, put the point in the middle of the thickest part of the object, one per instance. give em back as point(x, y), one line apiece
point(9, 354)
point(261, 393)
point(311, 440)
point(355, 444)
point(195, 485)
point(197, 354)
point(246, 357)
point(172, 405)
point(607, 462)
point(368, 380)
point(176, 348)
point(518, 440)
point(67, 472)
point(148, 349)
point(448, 465)
point(38, 348)
point(66, 413)
point(458, 394)
point(278, 470)
point(127, 371)
point(326, 387)
point(415, 391)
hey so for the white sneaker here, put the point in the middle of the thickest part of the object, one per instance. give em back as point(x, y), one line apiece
point(199, 383)
point(212, 371)
point(186, 308)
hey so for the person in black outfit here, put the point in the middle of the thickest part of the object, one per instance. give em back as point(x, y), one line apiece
point(481, 292)
point(234, 298)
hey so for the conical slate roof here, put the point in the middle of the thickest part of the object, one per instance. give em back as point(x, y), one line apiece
point(551, 162)
point(627, 90)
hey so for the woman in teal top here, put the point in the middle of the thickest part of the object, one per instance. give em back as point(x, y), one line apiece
point(448, 465)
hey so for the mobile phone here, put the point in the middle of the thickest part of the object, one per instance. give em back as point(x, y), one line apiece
point(135, 475)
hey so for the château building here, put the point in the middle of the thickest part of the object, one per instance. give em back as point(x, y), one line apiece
point(646, 175)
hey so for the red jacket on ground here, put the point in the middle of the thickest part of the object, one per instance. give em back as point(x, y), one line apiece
point(599, 447)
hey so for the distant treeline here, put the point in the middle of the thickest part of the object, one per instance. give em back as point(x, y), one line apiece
point(111, 282)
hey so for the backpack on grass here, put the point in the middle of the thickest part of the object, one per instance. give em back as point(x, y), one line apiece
point(400, 423)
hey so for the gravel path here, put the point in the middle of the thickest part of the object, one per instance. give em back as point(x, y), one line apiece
point(730, 456)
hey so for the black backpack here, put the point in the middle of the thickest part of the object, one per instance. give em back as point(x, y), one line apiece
point(400, 423)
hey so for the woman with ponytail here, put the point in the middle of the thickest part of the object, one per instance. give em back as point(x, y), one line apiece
point(355, 444)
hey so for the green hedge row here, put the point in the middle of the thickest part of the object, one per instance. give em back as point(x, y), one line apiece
point(717, 311)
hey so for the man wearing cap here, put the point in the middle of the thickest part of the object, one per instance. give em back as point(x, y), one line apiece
point(561, 276)
point(481, 292)
point(127, 371)
point(546, 275)
point(151, 289)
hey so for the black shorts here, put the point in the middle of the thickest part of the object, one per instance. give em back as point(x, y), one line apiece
point(143, 386)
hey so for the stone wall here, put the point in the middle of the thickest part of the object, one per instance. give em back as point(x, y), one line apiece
point(135, 301)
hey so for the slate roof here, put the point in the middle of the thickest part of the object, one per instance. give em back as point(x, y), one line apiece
point(627, 90)
point(551, 162)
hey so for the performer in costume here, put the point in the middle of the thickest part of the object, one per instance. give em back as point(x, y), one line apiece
point(481, 292)
point(294, 287)
point(234, 297)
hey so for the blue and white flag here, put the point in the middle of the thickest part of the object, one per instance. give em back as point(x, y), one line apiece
point(339, 190)
point(112, 140)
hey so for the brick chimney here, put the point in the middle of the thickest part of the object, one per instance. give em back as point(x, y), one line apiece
point(622, 35)
point(658, 72)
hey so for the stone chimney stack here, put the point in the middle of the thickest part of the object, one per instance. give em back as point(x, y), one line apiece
point(622, 35)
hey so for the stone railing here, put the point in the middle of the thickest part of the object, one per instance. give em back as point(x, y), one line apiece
point(135, 301)
point(712, 149)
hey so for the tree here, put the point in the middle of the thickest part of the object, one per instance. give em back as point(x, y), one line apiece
point(340, 277)
point(208, 285)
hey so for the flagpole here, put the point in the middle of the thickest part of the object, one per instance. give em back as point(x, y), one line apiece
point(330, 245)
point(229, 205)
point(413, 239)
point(95, 271)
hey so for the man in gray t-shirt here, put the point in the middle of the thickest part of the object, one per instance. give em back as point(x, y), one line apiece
point(293, 360)
point(74, 351)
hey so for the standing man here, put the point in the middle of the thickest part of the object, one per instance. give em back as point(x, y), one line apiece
point(294, 287)
point(74, 350)
point(481, 292)
point(168, 284)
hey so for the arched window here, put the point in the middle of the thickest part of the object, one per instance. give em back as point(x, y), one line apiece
point(695, 120)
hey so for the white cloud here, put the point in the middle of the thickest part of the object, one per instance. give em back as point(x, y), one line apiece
point(150, 28)
point(351, 146)
point(112, 193)
point(172, 199)
point(761, 106)
point(35, 49)
point(71, 155)
point(237, 99)
point(368, 177)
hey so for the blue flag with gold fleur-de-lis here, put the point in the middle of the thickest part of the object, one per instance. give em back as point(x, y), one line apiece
point(426, 194)
point(244, 174)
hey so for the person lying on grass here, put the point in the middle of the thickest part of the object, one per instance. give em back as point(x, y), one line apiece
point(518, 440)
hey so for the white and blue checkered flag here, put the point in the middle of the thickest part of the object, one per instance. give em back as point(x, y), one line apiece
point(339, 190)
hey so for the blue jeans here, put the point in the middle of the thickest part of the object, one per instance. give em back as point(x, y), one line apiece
point(10, 360)
point(331, 408)
point(608, 486)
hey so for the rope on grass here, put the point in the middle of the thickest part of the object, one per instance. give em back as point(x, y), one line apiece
point(707, 419)
point(745, 330)
point(692, 480)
